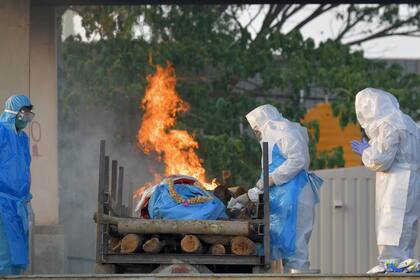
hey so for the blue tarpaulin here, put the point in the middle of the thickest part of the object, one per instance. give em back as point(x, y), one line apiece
point(163, 206)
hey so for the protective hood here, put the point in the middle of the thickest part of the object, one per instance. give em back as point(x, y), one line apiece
point(374, 104)
point(374, 107)
point(272, 125)
point(13, 104)
point(258, 117)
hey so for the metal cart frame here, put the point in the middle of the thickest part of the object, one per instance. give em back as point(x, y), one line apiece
point(110, 202)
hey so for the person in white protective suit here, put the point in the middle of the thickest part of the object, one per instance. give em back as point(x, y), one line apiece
point(288, 177)
point(393, 152)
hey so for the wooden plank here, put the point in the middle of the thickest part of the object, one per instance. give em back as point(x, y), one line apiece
point(183, 258)
point(114, 177)
point(130, 202)
point(105, 190)
point(119, 206)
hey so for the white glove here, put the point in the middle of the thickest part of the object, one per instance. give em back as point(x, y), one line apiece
point(231, 203)
point(243, 199)
point(254, 193)
point(239, 202)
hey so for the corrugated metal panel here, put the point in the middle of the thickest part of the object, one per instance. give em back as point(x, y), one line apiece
point(343, 239)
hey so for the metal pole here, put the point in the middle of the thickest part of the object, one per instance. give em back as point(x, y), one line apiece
point(267, 256)
point(100, 209)
point(120, 191)
point(114, 177)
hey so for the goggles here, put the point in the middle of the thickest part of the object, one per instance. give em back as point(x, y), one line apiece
point(22, 115)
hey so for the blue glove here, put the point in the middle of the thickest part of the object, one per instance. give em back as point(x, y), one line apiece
point(358, 147)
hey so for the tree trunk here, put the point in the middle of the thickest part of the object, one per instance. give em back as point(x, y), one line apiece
point(144, 226)
point(191, 244)
point(217, 249)
point(243, 246)
point(131, 243)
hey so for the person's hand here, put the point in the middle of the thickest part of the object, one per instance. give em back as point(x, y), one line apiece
point(239, 202)
point(260, 184)
point(358, 147)
point(232, 202)
point(243, 199)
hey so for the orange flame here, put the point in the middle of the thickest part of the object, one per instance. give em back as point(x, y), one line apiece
point(176, 148)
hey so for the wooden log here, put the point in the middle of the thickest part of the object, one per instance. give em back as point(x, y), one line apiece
point(222, 193)
point(115, 244)
point(146, 226)
point(191, 244)
point(217, 249)
point(236, 191)
point(215, 239)
point(131, 243)
point(243, 246)
point(155, 245)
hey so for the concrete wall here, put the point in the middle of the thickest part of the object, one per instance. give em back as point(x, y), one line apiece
point(14, 47)
point(43, 131)
point(28, 65)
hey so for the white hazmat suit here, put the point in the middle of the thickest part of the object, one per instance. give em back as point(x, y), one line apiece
point(292, 141)
point(394, 153)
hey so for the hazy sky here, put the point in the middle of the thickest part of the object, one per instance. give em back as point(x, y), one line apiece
point(326, 26)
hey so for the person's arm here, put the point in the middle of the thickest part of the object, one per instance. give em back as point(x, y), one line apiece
point(294, 151)
point(381, 153)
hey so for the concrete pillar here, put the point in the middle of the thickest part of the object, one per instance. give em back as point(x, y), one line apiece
point(49, 250)
point(43, 130)
point(28, 66)
point(14, 48)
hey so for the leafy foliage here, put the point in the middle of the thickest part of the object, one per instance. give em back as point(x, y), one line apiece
point(211, 53)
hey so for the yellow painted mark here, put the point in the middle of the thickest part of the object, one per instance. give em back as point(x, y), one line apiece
point(331, 135)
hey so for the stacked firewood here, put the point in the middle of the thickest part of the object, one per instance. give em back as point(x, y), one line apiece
point(188, 244)
point(132, 236)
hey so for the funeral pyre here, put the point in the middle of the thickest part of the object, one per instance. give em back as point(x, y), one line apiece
point(184, 193)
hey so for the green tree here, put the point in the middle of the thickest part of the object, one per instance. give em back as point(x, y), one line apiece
point(212, 51)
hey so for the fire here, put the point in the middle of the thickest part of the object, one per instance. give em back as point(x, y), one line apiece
point(176, 148)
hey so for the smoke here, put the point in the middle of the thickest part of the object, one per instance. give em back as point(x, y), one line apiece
point(79, 137)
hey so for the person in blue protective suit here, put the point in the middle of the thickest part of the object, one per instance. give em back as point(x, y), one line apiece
point(293, 190)
point(15, 182)
point(393, 152)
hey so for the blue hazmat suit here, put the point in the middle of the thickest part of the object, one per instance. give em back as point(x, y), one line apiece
point(15, 180)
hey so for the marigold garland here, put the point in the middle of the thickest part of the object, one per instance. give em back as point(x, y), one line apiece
point(180, 200)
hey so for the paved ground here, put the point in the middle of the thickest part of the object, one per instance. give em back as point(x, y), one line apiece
point(213, 277)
